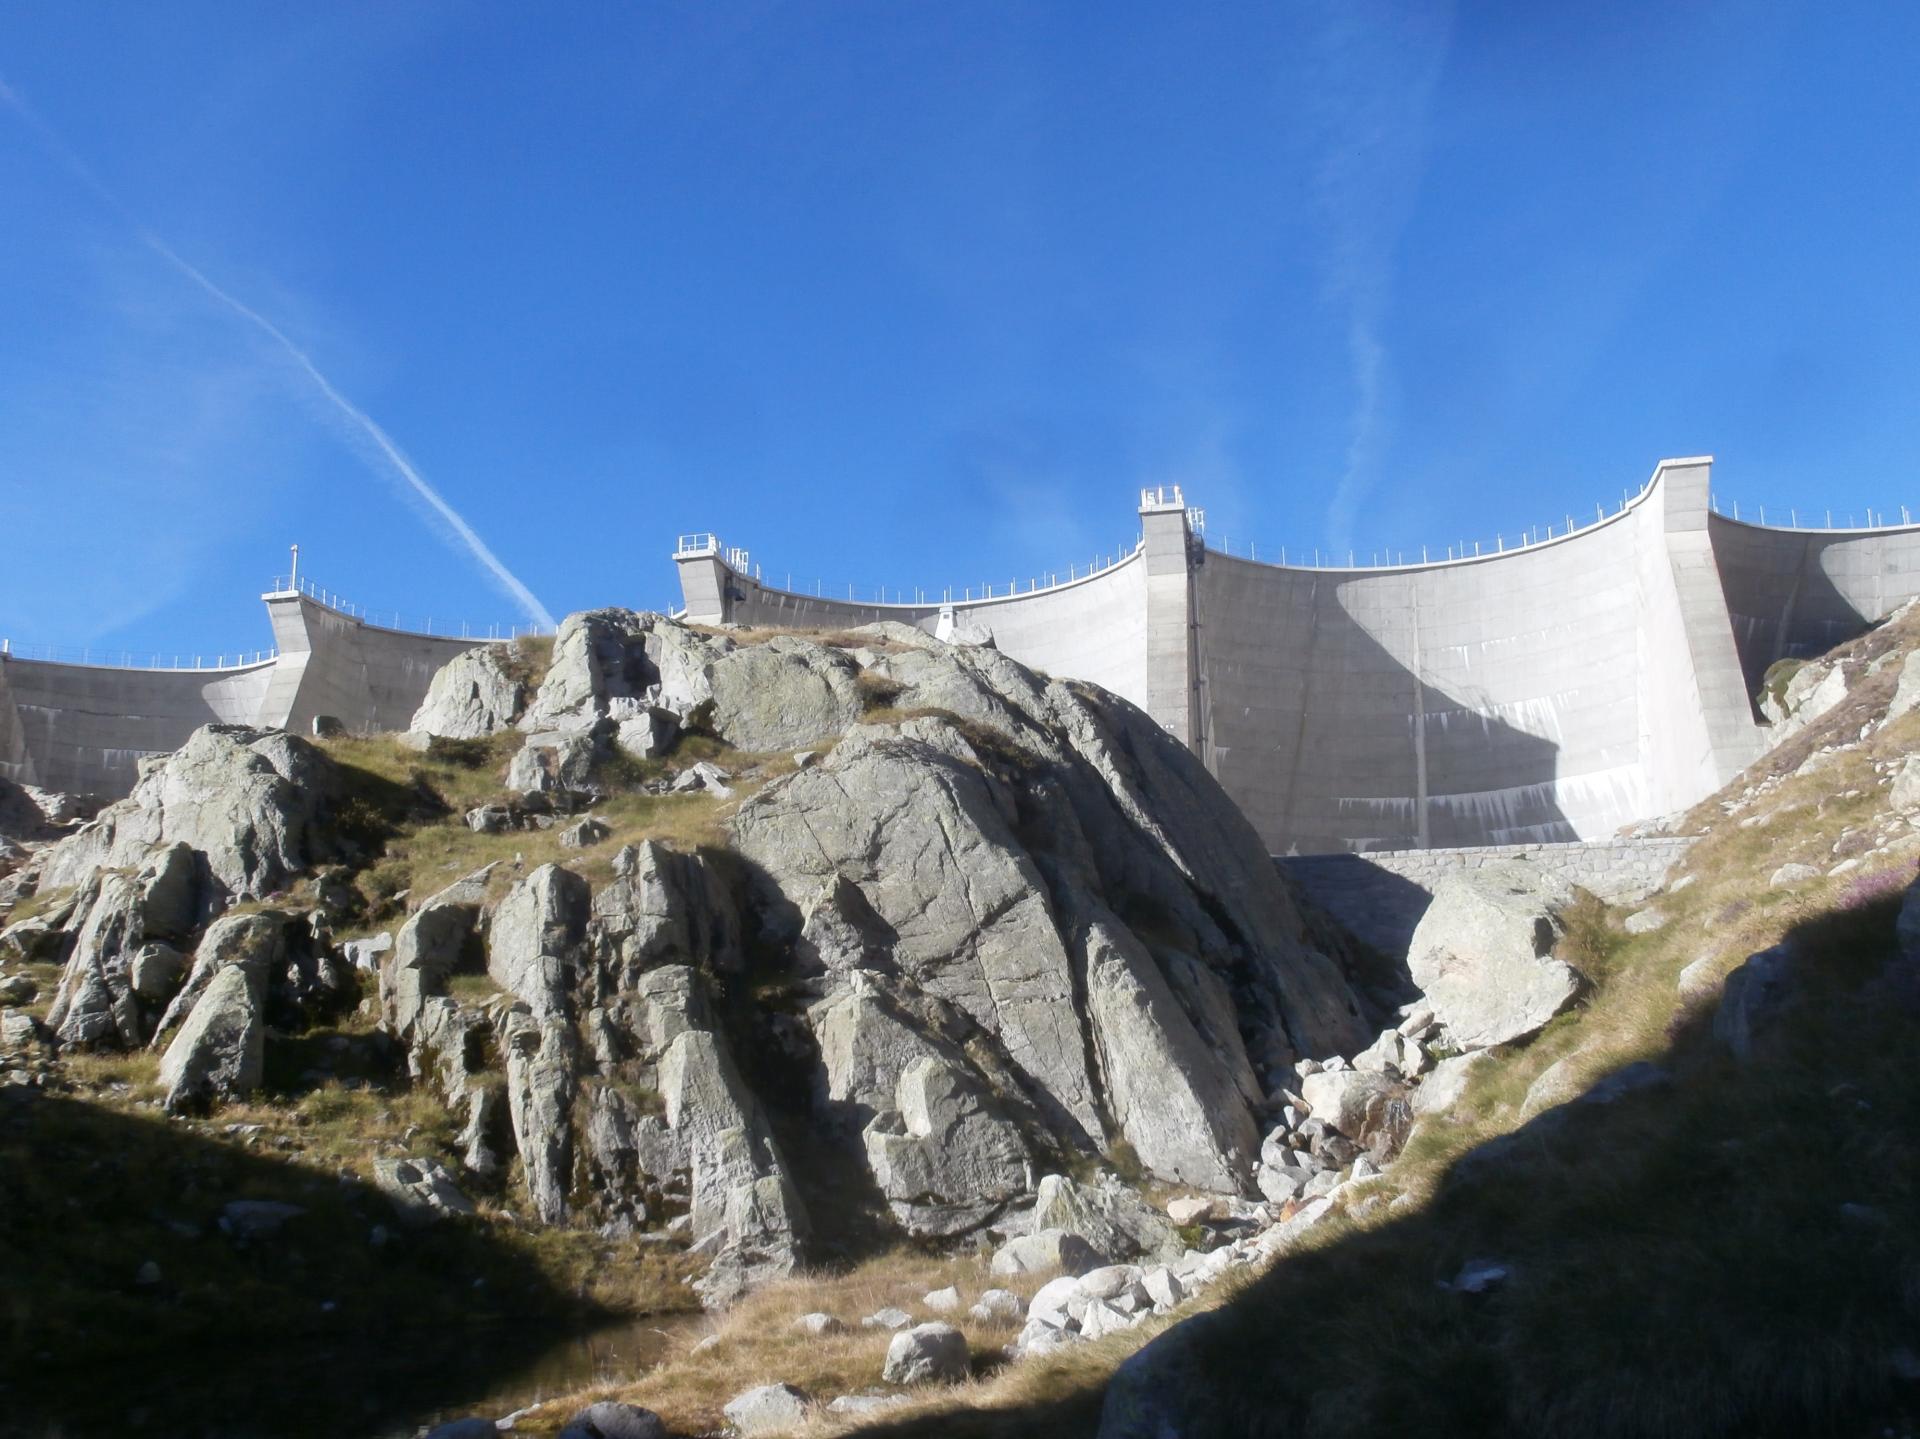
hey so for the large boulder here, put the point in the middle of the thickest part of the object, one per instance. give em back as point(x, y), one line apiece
point(1113, 1219)
point(1181, 1384)
point(1363, 1105)
point(421, 1189)
point(1758, 993)
point(906, 815)
point(927, 1354)
point(557, 762)
point(769, 1409)
point(254, 943)
point(609, 1419)
point(1483, 953)
point(1044, 1252)
point(443, 935)
point(1809, 693)
point(96, 1003)
point(475, 694)
point(220, 1051)
point(783, 694)
point(169, 892)
point(249, 802)
point(535, 938)
point(946, 1162)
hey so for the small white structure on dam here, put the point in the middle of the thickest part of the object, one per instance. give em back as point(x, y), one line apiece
point(1560, 690)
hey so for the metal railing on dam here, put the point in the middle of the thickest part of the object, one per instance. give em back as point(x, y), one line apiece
point(88, 657)
point(120, 657)
point(904, 597)
point(1533, 536)
point(394, 620)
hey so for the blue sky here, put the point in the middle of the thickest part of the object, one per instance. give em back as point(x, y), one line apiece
point(914, 294)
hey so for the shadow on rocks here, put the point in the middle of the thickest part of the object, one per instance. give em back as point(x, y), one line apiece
point(1720, 1242)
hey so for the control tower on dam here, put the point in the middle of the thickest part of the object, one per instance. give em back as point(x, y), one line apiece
point(1559, 690)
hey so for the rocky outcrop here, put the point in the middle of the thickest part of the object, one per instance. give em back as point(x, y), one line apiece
point(966, 875)
point(783, 694)
point(438, 938)
point(254, 944)
point(1020, 928)
point(1482, 954)
point(220, 1051)
point(121, 965)
point(944, 1160)
point(473, 695)
point(248, 802)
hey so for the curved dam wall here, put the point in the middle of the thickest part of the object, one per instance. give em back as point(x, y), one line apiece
point(1556, 692)
point(1798, 593)
point(83, 729)
point(1094, 628)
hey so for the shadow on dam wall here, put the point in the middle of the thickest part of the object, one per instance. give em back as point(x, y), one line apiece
point(1783, 601)
point(1334, 745)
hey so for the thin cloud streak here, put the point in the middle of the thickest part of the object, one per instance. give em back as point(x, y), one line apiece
point(362, 424)
point(1376, 66)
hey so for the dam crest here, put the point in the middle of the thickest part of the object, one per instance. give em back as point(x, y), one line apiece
point(1559, 690)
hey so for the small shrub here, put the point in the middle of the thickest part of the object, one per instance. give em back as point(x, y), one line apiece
point(1773, 684)
point(877, 692)
point(1866, 889)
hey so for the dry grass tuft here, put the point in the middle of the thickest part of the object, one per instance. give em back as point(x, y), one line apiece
point(756, 1343)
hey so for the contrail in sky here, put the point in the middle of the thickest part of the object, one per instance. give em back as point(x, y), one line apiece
point(1376, 66)
point(357, 418)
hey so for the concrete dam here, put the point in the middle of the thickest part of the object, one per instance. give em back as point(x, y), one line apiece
point(1555, 691)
